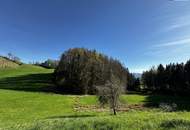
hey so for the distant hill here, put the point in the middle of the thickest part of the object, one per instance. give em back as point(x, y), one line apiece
point(6, 63)
point(137, 75)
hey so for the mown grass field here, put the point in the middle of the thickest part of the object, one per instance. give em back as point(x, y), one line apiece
point(27, 104)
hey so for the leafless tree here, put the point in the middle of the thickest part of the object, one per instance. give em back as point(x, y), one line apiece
point(110, 93)
point(10, 55)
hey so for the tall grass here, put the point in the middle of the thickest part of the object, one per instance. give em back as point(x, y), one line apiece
point(130, 121)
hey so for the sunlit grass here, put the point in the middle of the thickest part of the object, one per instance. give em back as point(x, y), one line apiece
point(23, 108)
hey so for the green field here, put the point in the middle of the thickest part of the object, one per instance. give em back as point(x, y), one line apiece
point(27, 102)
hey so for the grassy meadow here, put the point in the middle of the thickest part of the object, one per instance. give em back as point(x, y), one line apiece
point(27, 103)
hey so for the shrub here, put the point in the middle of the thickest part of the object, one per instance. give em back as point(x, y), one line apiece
point(167, 107)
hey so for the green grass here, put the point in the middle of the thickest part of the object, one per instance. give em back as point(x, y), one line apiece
point(28, 110)
point(26, 78)
point(124, 121)
point(134, 99)
point(25, 105)
point(88, 100)
point(23, 70)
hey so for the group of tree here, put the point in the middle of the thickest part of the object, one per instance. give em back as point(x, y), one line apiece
point(133, 83)
point(49, 63)
point(81, 70)
point(173, 78)
point(13, 58)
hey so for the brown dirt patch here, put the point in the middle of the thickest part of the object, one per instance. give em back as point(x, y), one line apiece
point(96, 108)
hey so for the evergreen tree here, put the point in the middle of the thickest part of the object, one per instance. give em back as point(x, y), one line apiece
point(174, 79)
point(187, 74)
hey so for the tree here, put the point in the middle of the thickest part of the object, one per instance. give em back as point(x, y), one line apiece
point(149, 79)
point(137, 84)
point(10, 55)
point(51, 64)
point(187, 74)
point(133, 83)
point(14, 58)
point(110, 93)
point(160, 78)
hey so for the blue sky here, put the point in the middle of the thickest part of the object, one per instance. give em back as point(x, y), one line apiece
point(140, 33)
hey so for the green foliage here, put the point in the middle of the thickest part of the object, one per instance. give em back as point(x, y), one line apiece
point(80, 70)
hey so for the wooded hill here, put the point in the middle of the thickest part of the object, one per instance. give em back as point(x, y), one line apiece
point(81, 70)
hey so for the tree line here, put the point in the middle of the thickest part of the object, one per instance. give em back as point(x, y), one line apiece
point(13, 58)
point(171, 79)
point(49, 63)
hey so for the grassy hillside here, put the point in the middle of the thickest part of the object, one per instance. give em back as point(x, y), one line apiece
point(26, 78)
point(25, 105)
point(23, 70)
point(5, 63)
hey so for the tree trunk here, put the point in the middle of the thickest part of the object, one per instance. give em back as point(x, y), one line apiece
point(114, 111)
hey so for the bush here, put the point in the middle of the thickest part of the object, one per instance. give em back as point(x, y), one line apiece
point(167, 107)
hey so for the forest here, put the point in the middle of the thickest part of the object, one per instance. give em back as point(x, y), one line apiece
point(172, 79)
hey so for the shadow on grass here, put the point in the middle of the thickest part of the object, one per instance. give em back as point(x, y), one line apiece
point(43, 83)
point(182, 103)
point(138, 93)
point(175, 124)
point(70, 116)
point(153, 100)
point(32, 83)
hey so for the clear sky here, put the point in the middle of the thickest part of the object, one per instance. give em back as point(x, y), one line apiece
point(140, 33)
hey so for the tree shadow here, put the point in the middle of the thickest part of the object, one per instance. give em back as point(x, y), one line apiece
point(154, 101)
point(175, 124)
point(70, 116)
point(32, 83)
point(138, 92)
